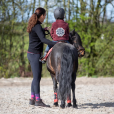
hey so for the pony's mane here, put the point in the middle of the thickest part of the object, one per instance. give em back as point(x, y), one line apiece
point(74, 35)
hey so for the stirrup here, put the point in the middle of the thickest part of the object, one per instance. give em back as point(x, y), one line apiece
point(43, 60)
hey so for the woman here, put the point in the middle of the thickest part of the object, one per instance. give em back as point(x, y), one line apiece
point(36, 40)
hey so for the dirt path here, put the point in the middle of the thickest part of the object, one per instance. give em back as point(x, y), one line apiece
point(94, 96)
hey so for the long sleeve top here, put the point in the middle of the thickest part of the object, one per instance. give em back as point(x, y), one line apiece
point(37, 38)
point(60, 30)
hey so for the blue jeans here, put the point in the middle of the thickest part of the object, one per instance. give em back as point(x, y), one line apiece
point(49, 47)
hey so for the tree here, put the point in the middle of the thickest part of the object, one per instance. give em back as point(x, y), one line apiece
point(91, 26)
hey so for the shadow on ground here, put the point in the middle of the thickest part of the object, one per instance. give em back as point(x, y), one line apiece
point(106, 104)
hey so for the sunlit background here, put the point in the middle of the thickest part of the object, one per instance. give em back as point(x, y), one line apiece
point(92, 19)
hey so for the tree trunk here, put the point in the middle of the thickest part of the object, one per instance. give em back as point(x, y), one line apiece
point(46, 7)
point(39, 3)
point(64, 5)
point(34, 6)
point(69, 13)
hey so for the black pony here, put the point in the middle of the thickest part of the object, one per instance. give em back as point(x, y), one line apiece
point(62, 64)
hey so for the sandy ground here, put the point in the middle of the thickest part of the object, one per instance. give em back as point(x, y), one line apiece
point(94, 96)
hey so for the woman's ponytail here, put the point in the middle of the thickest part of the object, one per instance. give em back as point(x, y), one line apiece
point(32, 22)
point(34, 18)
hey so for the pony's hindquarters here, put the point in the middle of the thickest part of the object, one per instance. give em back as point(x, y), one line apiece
point(64, 76)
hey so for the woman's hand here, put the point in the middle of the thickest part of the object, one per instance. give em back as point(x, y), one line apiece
point(47, 28)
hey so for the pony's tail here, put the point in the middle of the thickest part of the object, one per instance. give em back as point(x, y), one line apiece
point(65, 75)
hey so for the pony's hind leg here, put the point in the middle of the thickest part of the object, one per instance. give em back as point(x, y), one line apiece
point(55, 90)
point(73, 90)
point(62, 104)
point(69, 101)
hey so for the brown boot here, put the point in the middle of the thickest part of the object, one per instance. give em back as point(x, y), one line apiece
point(40, 103)
point(31, 101)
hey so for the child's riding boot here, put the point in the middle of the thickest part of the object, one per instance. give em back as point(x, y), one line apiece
point(42, 59)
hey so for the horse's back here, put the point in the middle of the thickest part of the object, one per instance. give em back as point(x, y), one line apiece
point(59, 50)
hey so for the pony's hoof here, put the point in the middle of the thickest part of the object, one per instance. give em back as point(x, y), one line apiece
point(62, 106)
point(55, 104)
point(75, 106)
point(69, 105)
